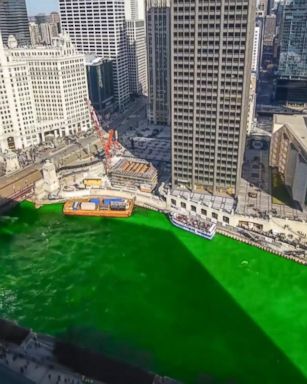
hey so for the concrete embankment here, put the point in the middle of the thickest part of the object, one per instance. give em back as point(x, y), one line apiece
point(236, 236)
point(149, 201)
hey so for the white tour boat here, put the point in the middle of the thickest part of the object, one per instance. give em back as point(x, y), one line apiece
point(193, 225)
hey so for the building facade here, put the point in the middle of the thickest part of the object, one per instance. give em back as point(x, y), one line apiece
point(35, 35)
point(14, 21)
point(289, 154)
point(269, 34)
point(158, 28)
point(99, 27)
point(137, 62)
point(262, 8)
point(43, 92)
point(256, 50)
point(135, 9)
point(100, 83)
point(211, 69)
point(292, 69)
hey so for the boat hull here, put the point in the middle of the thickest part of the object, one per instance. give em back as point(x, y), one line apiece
point(69, 211)
point(205, 235)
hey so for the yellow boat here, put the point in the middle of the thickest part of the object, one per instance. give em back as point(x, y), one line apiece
point(102, 206)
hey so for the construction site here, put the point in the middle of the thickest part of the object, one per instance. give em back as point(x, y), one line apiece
point(123, 170)
point(134, 173)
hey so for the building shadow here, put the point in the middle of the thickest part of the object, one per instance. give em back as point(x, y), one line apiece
point(192, 329)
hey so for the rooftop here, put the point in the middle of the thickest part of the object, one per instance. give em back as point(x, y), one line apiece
point(297, 125)
point(133, 167)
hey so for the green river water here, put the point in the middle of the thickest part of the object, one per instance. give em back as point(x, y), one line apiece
point(146, 292)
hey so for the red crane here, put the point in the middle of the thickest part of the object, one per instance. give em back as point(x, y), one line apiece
point(107, 144)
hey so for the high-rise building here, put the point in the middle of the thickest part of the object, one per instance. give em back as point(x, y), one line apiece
point(54, 17)
point(34, 34)
point(135, 9)
point(99, 27)
point(256, 50)
point(211, 70)
point(292, 70)
point(158, 28)
point(269, 30)
point(269, 34)
point(100, 83)
point(42, 91)
point(137, 63)
point(48, 31)
point(14, 21)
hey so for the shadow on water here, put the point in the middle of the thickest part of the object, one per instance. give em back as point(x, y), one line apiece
point(187, 324)
point(193, 322)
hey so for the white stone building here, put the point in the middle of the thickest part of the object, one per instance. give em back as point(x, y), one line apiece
point(42, 91)
point(99, 27)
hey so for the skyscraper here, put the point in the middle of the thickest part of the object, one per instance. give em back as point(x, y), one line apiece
point(293, 53)
point(136, 36)
point(14, 21)
point(100, 27)
point(158, 60)
point(211, 67)
point(134, 9)
point(137, 63)
point(269, 35)
point(292, 68)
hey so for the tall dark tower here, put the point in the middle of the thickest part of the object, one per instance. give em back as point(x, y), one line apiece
point(14, 21)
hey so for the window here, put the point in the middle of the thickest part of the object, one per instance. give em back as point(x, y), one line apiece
point(226, 219)
point(183, 205)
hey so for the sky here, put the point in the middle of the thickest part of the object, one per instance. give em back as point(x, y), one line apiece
point(41, 6)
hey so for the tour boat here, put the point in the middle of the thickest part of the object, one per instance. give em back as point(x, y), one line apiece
point(194, 225)
point(102, 206)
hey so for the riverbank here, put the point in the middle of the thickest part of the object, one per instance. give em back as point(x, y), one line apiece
point(148, 201)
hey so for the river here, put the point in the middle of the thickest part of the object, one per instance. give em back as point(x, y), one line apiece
point(151, 294)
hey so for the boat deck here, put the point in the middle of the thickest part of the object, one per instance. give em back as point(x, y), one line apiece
point(101, 210)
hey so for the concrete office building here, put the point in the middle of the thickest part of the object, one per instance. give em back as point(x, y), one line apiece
point(292, 70)
point(211, 49)
point(137, 62)
point(99, 27)
point(14, 21)
point(42, 91)
point(289, 154)
point(158, 23)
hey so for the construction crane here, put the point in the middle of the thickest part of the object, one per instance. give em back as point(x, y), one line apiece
point(109, 144)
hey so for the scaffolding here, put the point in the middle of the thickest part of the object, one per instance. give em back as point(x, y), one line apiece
point(133, 173)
